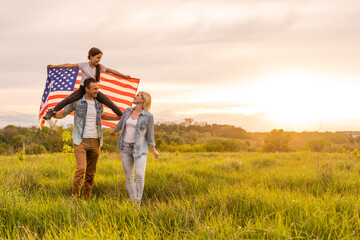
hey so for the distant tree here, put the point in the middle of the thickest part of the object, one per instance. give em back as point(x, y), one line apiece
point(190, 137)
point(52, 123)
point(17, 141)
point(10, 131)
point(277, 140)
point(318, 144)
point(34, 148)
point(188, 121)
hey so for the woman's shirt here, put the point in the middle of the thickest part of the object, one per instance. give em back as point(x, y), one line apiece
point(88, 72)
point(130, 129)
point(144, 131)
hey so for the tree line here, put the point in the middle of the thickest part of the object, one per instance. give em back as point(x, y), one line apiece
point(187, 136)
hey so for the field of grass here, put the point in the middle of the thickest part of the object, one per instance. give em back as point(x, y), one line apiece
point(187, 196)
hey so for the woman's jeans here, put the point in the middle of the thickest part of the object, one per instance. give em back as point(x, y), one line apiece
point(135, 189)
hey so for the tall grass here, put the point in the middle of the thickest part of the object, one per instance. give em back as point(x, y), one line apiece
point(187, 196)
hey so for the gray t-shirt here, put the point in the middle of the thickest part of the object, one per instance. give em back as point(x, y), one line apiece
point(88, 72)
point(90, 130)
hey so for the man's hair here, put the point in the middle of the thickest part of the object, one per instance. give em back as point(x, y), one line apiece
point(147, 98)
point(88, 81)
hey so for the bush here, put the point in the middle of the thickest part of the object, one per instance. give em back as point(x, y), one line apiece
point(34, 148)
point(317, 144)
point(277, 140)
point(189, 148)
point(2, 150)
point(109, 147)
point(224, 145)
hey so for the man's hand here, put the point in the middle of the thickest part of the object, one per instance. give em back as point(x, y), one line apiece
point(113, 133)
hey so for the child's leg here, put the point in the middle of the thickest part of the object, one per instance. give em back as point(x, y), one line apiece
point(105, 100)
point(71, 98)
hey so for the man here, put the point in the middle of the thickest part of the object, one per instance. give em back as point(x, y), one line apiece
point(87, 136)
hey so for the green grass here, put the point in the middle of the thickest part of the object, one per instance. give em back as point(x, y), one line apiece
point(187, 196)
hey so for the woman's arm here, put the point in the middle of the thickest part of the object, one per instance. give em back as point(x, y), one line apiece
point(118, 126)
point(150, 137)
point(112, 71)
point(65, 65)
point(110, 118)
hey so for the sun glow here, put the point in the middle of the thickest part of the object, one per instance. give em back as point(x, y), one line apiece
point(299, 98)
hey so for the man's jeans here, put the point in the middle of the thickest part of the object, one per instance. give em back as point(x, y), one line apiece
point(135, 189)
point(86, 156)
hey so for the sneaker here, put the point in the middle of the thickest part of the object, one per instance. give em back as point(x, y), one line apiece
point(49, 114)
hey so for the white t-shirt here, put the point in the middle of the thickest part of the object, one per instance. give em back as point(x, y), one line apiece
point(90, 130)
point(88, 72)
point(130, 128)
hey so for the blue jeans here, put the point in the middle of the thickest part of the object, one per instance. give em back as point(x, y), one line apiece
point(135, 189)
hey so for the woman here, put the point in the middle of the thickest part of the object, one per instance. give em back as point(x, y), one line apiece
point(137, 132)
point(89, 69)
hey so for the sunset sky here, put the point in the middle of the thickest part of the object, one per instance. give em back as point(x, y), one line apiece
point(256, 64)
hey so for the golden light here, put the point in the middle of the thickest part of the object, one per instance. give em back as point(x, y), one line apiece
point(298, 98)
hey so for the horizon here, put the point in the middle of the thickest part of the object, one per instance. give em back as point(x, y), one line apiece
point(66, 124)
point(260, 65)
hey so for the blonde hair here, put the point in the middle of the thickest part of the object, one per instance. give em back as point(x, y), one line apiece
point(147, 98)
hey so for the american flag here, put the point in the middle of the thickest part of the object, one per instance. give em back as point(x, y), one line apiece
point(61, 82)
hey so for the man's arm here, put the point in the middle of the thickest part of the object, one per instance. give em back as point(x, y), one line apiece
point(60, 114)
point(67, 110)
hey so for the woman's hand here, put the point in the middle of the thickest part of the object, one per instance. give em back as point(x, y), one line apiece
point(155, 152)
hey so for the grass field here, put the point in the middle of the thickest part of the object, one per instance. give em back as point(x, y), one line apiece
point(187, 196)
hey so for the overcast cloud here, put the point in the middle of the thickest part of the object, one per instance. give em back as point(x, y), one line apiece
point(196, 58)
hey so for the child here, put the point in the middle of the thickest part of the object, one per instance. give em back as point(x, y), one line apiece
point(90, 69)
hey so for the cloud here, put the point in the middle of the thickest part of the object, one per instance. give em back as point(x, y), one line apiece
point(17, 119)
point(181, 50)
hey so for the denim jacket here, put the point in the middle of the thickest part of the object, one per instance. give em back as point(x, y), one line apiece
point(144, 131)
point(80, 108)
